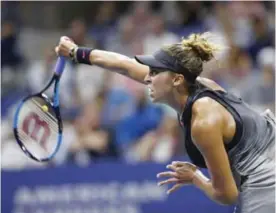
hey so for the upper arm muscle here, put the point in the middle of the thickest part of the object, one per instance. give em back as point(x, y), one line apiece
point(207, 136)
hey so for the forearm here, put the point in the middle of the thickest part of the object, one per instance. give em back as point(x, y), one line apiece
point(205, 184)
point(118, 63)
point(108, 60)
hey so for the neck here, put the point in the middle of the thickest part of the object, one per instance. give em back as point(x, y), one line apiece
point(178, 101)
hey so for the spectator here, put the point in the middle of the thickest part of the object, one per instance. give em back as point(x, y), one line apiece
point(191, 18)
point(145, 118)
point(238, 66)
point(158, 35)
point(40, 71)
point(159, 145)
point(93, 141)
point(140, 15)
point(75, 90)
point(261, 93)
point(12, 60)
point(263, 36)
point(104, 23)
point(124, 41)
point(9, 46)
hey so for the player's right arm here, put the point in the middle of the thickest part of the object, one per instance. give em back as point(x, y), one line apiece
point(120, 64)
point(111, 61)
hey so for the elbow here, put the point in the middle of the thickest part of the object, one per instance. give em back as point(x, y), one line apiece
point(228, 198)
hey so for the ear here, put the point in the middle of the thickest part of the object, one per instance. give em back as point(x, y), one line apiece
point(178, 80)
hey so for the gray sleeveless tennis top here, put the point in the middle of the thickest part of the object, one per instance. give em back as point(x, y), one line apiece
point(253, 142)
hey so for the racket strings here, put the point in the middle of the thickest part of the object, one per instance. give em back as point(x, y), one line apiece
point(46, 116)
point(26, 137)
point(42, 128)
point(40, 108)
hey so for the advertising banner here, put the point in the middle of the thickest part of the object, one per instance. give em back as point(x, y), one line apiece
point(99, 188)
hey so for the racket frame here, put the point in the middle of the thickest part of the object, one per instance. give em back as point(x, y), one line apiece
point(55, 106)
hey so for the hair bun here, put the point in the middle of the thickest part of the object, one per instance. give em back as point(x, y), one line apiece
point(201, 46)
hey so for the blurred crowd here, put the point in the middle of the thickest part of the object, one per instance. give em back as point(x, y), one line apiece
point(109, 117)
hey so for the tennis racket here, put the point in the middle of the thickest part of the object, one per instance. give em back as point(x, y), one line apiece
point(37, 121)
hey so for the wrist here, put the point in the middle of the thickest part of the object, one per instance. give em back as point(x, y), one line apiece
point(72, 53)
point(199, 178)
point(81, 55)
point(205, 184)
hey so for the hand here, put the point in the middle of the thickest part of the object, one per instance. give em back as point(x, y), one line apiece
point(65, 46)
point(182, 174)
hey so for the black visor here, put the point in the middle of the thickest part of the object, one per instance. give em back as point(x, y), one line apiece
point(162, 60)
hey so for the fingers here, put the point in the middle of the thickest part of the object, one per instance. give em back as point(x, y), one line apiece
point(168, 181)
point(179, 163)
point(181, 174)
point(177, 166)
point(167, 174)
point(65, 38)
point(175, 187)
point(181, 166)
point(61, 51)
point(56, 50)
point(64, 46)
point(172, 167)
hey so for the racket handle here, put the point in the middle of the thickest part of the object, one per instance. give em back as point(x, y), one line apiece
point(60, 65)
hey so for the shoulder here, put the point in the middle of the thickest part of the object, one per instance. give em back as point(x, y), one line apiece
point(206, 108)
point(209, 83)
point(207, 118)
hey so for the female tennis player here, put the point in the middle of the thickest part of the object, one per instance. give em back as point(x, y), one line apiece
point(222, 133)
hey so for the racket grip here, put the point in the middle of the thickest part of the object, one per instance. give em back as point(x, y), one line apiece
point(60, 65)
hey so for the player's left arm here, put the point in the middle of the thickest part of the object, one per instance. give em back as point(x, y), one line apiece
point(207, 133)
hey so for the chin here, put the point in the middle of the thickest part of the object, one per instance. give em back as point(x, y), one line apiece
point(154, 99)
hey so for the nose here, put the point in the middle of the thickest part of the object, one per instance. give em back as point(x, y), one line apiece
point(147, 79)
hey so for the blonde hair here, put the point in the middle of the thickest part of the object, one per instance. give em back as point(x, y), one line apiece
point(195, 50)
